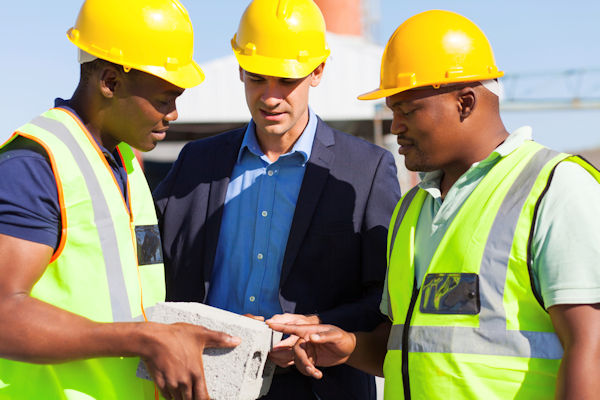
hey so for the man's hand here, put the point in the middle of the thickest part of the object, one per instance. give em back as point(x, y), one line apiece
point(318, 345)
point(174, 358)
point(255, 317)
point(37, 332)
point(283, 352)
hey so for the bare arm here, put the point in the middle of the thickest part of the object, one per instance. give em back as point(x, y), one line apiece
point(37, 332)
point(371, 348)
point(578, 328)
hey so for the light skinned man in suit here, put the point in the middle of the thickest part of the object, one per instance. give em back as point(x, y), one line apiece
point(284, 219)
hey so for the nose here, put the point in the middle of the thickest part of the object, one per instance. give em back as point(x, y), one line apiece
point(272, 94)
point(398, 125)
point(172, 115)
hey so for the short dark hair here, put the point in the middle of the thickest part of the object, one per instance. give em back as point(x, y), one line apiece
point(89, 68)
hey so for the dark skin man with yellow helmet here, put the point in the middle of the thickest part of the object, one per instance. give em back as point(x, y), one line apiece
point(493, 288)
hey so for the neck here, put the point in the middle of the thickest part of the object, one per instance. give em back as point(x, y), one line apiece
point(478, 151)
point(90, 113)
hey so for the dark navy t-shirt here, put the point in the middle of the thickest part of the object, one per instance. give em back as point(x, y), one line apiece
point(29, 207)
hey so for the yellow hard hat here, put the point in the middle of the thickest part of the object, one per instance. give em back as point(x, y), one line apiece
point(283, 38)
point(434, 48)
point(154, 36)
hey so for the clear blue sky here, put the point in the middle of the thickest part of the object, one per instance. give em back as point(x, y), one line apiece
point(39, 63)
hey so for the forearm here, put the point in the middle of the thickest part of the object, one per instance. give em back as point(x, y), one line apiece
point(578, 328)
point(579, 374)
point(370, 350)
point(37, 332)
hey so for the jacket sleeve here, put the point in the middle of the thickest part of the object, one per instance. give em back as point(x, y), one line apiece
point(162, 194)
point(363, 313)
point(164, 190)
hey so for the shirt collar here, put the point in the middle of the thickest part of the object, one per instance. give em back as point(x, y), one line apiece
point(513, 141)
point(303, 145)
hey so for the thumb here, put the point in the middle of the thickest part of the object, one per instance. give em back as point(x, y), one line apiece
point(220, 339)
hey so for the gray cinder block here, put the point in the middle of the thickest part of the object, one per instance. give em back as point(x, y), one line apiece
point(241, 373)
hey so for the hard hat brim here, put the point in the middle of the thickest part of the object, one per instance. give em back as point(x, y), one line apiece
point(380, 93)
point(286, 68)
point(185, 76)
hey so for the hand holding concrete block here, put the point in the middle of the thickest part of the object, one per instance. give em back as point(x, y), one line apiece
point(240, 373)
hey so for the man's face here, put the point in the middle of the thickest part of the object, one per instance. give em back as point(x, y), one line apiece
point(279, 105)
point(143, 108)
point(427, 125)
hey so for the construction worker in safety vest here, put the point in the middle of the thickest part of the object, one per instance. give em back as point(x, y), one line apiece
point(493, 285)
point(80, 254)
point(285, 218)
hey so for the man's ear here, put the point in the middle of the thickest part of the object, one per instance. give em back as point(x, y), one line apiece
point(317, 74)
point(241, 74)
point(110, 78)
point(467, 100)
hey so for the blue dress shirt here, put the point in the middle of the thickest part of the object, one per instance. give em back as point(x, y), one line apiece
point(259, 208)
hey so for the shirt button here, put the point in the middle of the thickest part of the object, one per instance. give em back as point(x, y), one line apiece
point(264, 213)
point(270, 173)
point(252, 298)
point(259, 256)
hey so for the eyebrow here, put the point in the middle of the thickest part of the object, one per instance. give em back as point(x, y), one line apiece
point(397, 104)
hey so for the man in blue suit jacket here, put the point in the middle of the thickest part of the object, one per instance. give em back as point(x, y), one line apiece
point(286, 218)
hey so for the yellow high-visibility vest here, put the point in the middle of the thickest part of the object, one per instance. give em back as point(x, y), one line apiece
point(476, 328)
point(107, 267)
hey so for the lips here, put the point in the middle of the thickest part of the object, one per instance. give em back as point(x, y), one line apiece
point(272, 116)
point(405, 146)
point(160, 135)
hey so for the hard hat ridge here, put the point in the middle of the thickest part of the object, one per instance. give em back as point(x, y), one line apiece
point(284, 38)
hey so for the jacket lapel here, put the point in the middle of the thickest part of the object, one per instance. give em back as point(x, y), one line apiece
point(226, 160)
point(315, 177)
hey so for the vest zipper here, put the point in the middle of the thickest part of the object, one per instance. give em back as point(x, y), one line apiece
point(405, 330)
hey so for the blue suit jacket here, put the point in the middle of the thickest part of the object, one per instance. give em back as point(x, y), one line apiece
point(335, 260)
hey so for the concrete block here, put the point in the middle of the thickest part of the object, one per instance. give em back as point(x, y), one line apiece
point(241, 373)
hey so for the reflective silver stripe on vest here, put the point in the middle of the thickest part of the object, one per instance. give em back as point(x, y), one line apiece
point(399, 217)
point(119, 300)
point(459, 339)
point(491, 337)
point(494, 263)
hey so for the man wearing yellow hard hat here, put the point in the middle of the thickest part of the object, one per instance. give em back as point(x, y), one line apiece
point(493, 286)
point(80, 257)
point(284, 219)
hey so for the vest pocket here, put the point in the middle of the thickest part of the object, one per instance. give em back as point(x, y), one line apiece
point(149, 247)
point(450, 293)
